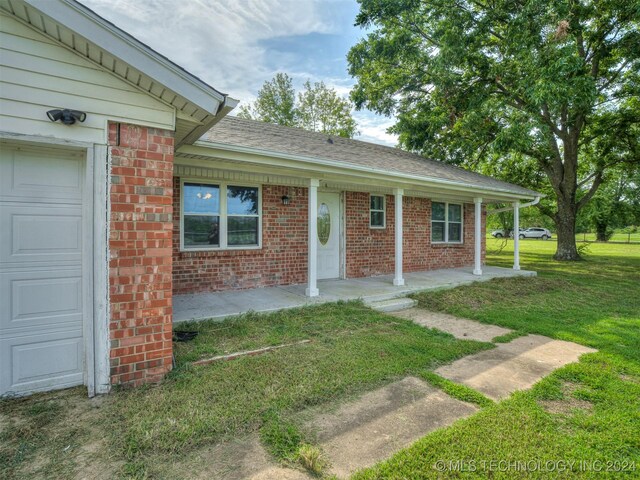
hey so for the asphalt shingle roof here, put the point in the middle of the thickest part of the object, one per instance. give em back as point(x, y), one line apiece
point(295, 141)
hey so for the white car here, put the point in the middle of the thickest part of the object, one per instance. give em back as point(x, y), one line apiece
point(535, 232)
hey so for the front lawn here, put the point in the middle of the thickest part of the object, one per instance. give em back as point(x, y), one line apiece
point(352, 349)
point(589, 411)
point(583, 420)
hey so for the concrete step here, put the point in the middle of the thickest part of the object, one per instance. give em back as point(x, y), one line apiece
point(393, 304)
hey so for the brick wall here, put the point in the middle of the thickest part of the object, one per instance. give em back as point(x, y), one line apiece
point(283, 257)
point(140, 253)
point(371, 251)
point(282, 260)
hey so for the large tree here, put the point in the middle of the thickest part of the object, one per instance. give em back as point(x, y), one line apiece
point(276, 102)
point(531, 84)
point(318, 107)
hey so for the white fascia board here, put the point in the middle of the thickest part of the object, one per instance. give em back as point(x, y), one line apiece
point(217, 150)
point(120, 44)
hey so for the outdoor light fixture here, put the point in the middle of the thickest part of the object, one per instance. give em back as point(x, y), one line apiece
point(66, 116)
point(285, 200)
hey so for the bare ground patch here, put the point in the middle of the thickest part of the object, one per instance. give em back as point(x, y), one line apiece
point(569, 403)
point(54, 435)
point(234, 459)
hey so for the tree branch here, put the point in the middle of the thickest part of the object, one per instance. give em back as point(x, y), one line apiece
point(594, 188)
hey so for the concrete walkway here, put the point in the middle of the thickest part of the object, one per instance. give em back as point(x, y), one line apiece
point(512, 366)
point(458, 327)
point(378, 424)
point(220, 305)
point(373, 427)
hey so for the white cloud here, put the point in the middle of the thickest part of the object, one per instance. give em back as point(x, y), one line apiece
point(217, 40)
point(222, 42)
point(374, 128)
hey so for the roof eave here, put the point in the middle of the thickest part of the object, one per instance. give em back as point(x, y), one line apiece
point(197, 147)
point(107, 37)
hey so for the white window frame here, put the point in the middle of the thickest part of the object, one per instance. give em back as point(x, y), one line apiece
point(446, 223)
point(384, 211)
point(222, 185)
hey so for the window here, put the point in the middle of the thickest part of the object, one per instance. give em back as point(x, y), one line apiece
point(446, 222)
point(377, 211)
point(220, 216)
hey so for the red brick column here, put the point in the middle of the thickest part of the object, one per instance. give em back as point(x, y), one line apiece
point(140, 259)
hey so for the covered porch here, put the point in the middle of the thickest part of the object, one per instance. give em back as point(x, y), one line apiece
point(219, 305)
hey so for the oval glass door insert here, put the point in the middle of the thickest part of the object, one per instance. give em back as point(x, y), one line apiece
point(324, 224)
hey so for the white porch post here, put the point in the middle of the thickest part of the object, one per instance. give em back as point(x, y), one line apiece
point(398, 279)
point(516, 235)
point(312, 261)
point(477, 268)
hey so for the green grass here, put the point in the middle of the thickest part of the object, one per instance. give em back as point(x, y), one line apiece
point(595, 302)
point(353, 349)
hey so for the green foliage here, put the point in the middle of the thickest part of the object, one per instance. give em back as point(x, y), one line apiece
point(281, 437)
point(275, 103)
point(318, 108)
point(544, 94)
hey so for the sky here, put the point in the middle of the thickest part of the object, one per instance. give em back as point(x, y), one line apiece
point(237, 45)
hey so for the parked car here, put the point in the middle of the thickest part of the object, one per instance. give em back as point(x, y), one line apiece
point(500, 233)
point(535, 232)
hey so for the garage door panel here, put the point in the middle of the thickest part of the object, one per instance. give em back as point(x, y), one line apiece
point(40, 176)
point(38, 362)
point(40, 298)
point(40, 234)
point(43, 284)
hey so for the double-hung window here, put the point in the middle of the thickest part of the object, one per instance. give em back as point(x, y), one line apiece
point(446, 222)
point(377, 211)
point(220, 215)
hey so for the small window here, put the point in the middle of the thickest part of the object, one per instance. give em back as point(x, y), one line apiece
point(377, 211)
point(446, 222)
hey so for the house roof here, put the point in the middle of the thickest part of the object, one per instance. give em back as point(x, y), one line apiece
point(198, 105)
point(266, 137)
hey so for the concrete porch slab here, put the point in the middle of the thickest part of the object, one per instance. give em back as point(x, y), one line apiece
point(461, 328)
point(512, 366)
point(219, 305)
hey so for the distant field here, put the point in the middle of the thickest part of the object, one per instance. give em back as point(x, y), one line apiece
point(591, 237)
point(617, 237)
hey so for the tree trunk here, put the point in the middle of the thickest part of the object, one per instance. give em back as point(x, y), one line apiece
point(601, 231)
point(566, 231)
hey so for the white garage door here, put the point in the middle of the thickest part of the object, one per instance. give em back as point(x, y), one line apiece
point(41, 280)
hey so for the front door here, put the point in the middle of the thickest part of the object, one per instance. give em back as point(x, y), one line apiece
point(328, 235)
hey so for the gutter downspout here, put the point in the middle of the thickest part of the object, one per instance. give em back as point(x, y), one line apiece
point(522, 205)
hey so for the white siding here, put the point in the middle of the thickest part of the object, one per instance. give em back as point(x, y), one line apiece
point(37, 74)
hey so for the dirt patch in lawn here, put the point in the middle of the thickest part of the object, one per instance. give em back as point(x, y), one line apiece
point(235, 459)
point(569, 403)
point(55, 435)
